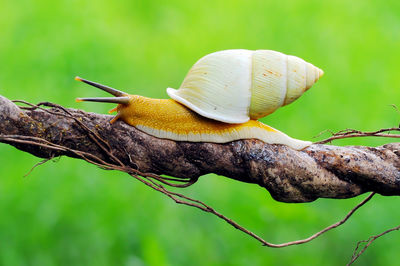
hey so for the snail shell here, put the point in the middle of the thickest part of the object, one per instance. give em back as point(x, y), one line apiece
point(234, 86)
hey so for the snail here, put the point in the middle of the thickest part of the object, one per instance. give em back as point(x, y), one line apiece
point(220, 99)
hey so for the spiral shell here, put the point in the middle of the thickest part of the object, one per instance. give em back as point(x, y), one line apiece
point(234, 86)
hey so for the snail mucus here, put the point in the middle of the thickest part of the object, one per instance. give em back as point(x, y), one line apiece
point(220, 99)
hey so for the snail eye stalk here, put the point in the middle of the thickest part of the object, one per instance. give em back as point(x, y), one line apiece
point(118, 100)
point(105, 88)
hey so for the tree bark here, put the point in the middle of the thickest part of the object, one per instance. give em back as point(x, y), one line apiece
point(325, 171)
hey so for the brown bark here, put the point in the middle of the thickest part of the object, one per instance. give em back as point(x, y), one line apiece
point(325, 171)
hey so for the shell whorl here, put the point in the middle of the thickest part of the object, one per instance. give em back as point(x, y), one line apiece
point(233, 86)
point(278, 80)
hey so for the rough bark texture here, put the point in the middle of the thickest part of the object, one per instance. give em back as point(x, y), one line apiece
point(289, 175)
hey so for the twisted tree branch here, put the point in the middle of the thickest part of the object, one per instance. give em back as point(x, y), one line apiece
point(290, 176)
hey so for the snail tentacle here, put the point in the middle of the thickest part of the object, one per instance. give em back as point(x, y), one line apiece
point(105, 88)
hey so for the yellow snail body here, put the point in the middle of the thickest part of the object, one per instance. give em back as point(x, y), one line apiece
point(221, 98)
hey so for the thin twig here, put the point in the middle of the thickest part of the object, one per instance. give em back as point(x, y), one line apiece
point(395, 108)
point(187, 182)
point(297, 242)
point(351, 133)
point(37, 164)
point(368, 243)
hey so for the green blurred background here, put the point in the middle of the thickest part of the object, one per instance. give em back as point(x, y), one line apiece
point(68, 212)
